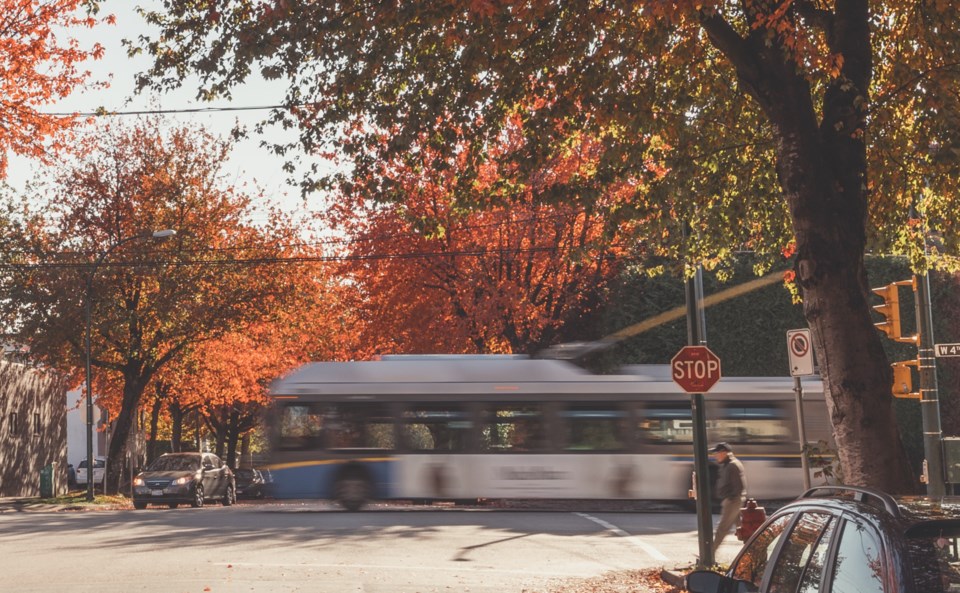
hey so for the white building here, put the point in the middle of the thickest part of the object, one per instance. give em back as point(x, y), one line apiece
point(77, 428)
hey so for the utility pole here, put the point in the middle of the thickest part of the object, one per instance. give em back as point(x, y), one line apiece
point(927, 368)
point(929, 398)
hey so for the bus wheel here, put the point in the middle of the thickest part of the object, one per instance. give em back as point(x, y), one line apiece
point(352, 490)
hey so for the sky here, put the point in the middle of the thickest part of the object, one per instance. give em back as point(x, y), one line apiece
point(249, 163)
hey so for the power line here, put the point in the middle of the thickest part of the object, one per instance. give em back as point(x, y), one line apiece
point(115, 113)
point(349, 241)
point(300, 259)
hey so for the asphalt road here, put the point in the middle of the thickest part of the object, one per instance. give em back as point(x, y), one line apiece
point(312, 547)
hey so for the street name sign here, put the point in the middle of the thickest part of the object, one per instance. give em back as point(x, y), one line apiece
point(947, 349)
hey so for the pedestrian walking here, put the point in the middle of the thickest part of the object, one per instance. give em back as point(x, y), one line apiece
point(731, 489)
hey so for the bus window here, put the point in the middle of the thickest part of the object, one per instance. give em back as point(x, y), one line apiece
point(300, 427)
point(513, 428)
point(665, 423)
point(436, 428)
point(594, 428)
point(750, 423)
point(359, 426)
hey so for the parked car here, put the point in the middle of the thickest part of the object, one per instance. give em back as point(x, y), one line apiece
point(844, 539)
point(250, 483)
point(184, 478)
point(99, 466)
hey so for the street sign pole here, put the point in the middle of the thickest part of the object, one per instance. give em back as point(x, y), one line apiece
point(695, 337)
point(929, 399)
point(800, 350)
point(802, 426)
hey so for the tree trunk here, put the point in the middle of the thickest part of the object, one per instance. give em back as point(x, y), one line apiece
point(154, 422)
point(233, 435)
point(245, 449)
point(829, 228)
point(176, 426)
point(822, 168)
point(133, 387)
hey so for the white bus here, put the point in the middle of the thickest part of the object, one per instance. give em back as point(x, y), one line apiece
point(463, 428)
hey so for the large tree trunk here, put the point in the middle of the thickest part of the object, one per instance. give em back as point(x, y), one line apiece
point(822, 168)
point(822, 175)
point(857, 377)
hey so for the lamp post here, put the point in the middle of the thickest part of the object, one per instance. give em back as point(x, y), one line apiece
point(87, 311)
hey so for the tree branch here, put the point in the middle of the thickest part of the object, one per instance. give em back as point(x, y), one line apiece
point(819, 18)
point(726, 39)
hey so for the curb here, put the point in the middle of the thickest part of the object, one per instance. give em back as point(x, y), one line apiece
point(672, 577)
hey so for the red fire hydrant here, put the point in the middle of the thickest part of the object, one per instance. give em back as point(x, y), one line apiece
point(751, 518)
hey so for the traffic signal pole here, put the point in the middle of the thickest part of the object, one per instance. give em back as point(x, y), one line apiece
point(929, 399)
point(696, 336)
point(926, 364)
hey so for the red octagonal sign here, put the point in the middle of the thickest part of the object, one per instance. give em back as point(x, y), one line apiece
point(695, 369)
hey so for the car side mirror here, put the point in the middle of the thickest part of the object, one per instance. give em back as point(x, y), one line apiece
point(707, 581)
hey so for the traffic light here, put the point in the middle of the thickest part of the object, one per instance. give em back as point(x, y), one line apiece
point(890, 309)
point(903, 380)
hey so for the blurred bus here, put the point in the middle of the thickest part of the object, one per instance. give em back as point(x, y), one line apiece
point(469, 427)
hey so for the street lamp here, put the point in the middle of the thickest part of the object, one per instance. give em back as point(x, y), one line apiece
point(87, 310)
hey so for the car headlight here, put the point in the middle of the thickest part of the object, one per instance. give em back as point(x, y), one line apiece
point(138, 481)
point(181, 481)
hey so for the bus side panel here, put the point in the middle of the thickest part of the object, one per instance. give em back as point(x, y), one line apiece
point(597, 476)
point(305, 479)
point(316, 479)
point(773, 478)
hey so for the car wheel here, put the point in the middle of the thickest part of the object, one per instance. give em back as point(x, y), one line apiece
point(352, 491)
point(197, 501)
point(173, 505)
point(230, 496)
point(139, 505)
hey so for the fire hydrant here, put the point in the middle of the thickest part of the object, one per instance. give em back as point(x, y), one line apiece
point(751, 518)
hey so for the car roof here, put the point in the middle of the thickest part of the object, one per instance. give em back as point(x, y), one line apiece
point(913, 514)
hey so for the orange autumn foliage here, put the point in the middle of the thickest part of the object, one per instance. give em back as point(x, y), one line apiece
point(39, 66)
point(515, 276)
point(226, 379)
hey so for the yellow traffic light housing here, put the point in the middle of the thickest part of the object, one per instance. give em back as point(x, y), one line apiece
point(903, 380)
point(890, 309)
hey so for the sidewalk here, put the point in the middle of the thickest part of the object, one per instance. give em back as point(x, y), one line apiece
point(29, 504)
point(35, 504)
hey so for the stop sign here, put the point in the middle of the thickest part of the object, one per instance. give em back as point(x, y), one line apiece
point(695, 369)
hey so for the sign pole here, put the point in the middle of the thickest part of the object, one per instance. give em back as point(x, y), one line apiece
point(799, 348)
point(697, 407)
point(802, 427)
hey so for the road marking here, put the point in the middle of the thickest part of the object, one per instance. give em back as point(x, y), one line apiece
point(459, 567)
point(636, 541)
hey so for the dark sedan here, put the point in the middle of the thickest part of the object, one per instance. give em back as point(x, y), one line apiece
point(250, 483)
point(184, 478)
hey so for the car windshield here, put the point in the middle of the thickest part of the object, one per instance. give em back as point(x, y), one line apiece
point(97, 463)
point(174, 463)
point(935, 548)
point(246, 474)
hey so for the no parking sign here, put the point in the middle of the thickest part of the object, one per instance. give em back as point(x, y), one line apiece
point(800, 349)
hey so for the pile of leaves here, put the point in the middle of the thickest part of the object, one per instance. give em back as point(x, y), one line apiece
point(625, 581)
